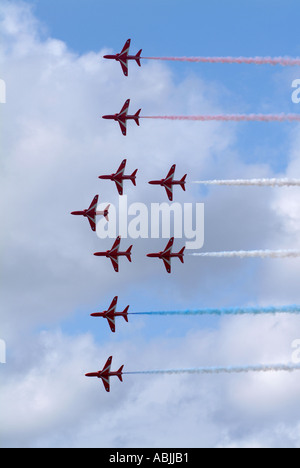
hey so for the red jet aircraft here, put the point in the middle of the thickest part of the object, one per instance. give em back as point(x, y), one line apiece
point(123, 116)
point(167, 254)
point(111, 313)
point(92, 212)
point(105, 374)
point(114, 254)
point(169, 181)
point(119, 176)
point(124, 56)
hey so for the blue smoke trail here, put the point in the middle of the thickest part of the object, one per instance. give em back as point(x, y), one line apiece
point(292, 309)
point(225, 370)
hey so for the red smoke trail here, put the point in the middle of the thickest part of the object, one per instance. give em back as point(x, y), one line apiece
point(284, 61)
point(231, 117)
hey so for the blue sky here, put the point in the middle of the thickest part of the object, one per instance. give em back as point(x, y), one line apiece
point(54, 148)
point(259, 27)
point(195, 28)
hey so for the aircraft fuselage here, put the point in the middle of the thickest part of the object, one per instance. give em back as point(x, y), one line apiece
point(118, 117)
point(163, 255)
point(162, 182)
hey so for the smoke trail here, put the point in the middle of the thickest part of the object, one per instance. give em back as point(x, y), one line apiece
point(284, 61)
point(293, 309)
point(231, 117)
point(253, 182)
point(251, 253)
point(226, 370)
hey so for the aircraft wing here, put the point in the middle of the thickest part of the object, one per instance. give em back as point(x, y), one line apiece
point(118, 177)
point(115, 247)
point(126, 47)
point(106, 368)
point(115, 263)
point(92, 221)
point(168, 182)
point(124, 65)
point(111, 323)
point(120, 171)
point(94, 204)
point(123, 126)
point(123, 57)
point(119, 185)
point(169, 246)
point(113, 305)
point(124, 109)
point(167, 263)
point(114, 254)
point(91, 214)
point(169, 190)
point(106, 384)
point(122, 117)
point(170, 175)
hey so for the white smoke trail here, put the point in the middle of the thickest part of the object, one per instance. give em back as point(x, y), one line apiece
point(226, 370)
point(251, 254)
point(271, 310)
point(284, 61)
point(231, 117)
point(253, 182)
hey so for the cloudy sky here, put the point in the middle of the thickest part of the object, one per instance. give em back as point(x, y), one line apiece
point(54, 145)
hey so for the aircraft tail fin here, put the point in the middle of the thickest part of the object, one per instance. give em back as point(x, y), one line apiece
point(125, 313)
point(137, 57)
point(120, 373)
point(182, 182)
point(137, 116)
point(180, 254)
point(133, 176)
point(128, 253)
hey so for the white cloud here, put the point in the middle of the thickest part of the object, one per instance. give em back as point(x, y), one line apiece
point(55, 405)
